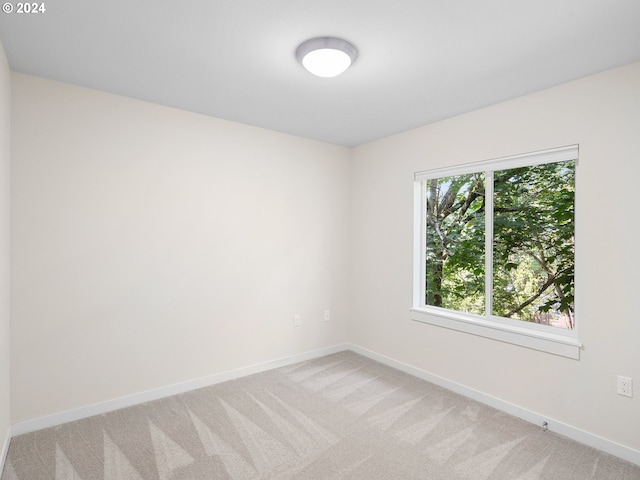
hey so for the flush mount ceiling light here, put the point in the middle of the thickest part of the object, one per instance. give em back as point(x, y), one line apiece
point(326, 56)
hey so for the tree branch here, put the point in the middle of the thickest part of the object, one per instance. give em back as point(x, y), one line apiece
point(546, 285)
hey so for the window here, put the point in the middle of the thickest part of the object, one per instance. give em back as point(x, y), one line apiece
point(495, 249)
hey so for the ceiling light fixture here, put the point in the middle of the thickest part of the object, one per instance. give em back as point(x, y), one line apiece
point(326, 56)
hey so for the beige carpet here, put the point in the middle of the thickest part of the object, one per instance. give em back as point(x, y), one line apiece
point(338, 417)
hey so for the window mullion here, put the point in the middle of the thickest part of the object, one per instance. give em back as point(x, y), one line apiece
point(488, 244)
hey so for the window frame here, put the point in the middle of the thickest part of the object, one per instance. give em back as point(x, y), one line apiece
point(545, 338)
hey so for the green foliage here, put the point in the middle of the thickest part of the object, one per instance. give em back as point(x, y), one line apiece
point(533, 243)
point(455, 242)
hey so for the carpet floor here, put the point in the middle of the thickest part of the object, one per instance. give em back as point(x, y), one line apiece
point(338, 417)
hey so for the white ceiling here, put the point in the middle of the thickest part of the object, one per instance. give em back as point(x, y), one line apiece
point(419, 60)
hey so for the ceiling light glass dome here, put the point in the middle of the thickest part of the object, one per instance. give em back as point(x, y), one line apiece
point(326, 56)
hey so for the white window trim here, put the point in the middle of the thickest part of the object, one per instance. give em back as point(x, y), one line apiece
point(539, 337)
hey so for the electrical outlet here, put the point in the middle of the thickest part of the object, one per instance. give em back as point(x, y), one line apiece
point(625, 386)
point(327, 315)
point(296, 320)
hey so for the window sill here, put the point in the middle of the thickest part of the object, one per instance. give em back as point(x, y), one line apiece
point(557, 344)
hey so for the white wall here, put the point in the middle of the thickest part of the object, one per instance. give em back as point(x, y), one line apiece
point(602, 114)
point(153, 246)
point(5, 153)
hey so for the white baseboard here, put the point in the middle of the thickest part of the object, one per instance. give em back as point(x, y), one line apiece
point(142, 397)
point(586, 438)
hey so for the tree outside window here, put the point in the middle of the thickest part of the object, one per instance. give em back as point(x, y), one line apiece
point(528, 214)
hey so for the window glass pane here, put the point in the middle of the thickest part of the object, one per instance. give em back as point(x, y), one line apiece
point(533, 244)
point(455, 242)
